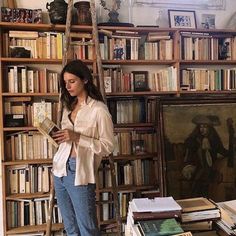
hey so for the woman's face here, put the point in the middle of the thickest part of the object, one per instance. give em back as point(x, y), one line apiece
point(73, 84)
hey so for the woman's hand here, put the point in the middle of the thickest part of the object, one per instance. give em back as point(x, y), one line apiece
point(65, 135)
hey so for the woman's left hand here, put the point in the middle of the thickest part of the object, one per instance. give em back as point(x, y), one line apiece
point(65, 135)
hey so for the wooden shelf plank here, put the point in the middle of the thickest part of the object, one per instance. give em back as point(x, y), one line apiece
point(30, 94)
point(139, 62)
point(33, 229)
point(43, 27)
point(28, 128)
point(27, 196)
point(26, 162)
point(128, 188)
point(13, 60)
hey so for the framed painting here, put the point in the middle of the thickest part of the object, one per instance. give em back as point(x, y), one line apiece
point(199, 148)
point(182, 19)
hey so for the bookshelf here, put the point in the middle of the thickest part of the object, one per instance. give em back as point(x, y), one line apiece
point(125, 53)
point(29, 86)
point(128, 58)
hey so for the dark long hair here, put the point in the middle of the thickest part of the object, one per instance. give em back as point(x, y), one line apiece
point(79, 69)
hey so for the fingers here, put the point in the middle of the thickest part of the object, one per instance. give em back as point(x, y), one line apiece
point(62, 136)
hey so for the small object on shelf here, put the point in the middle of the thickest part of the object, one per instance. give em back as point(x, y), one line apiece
point(208, 21)
point(20, 52)
point(14, 120)
point(115, 6)
point(182, 19)
point(138, 146)
point(113, 14)
point(21, 15)
point(57, 11)
point(140, 81)
point(83, 12)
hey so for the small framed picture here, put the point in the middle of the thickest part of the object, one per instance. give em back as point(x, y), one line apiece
point(140, 80)
point(138, 146)
point(208, 21)
point(182, 19)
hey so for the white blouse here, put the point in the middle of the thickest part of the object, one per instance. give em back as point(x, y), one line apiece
point(93, 122)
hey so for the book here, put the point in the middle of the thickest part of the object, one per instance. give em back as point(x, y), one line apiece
point(197, 226)
point(160, 227)
point(212, 214)
point(47, 127)
point(158, 204)
point(195, 204)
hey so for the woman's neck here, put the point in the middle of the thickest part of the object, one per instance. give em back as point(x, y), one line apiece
point(81, 98)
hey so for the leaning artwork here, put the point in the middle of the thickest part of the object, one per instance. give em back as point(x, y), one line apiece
point(199, 150)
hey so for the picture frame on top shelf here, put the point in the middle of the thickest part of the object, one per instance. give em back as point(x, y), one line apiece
point(182, 19)
point(140, 81)
point(208, 21)
point(197, 150)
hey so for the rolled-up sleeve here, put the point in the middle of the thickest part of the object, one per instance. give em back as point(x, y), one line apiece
point(104, 144)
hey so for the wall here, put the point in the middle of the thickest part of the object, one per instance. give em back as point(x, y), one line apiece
point(140, 15)
point(137, 15)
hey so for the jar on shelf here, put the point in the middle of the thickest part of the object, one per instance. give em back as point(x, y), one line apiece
point(57, 11)
point(83, 12)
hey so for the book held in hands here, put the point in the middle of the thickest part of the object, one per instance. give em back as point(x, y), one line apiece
point(47, 127)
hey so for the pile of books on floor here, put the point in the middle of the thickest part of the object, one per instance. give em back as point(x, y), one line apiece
point(156, 216)
point(198, 215)
point(227, 223)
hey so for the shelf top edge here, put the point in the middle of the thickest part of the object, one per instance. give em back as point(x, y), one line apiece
point(15, 25)
point(59, 27)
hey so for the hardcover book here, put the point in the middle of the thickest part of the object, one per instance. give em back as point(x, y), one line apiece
point(195, 204)
point(160, 227)
point(47, 127)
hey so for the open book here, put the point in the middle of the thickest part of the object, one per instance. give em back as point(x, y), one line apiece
point(47, 127)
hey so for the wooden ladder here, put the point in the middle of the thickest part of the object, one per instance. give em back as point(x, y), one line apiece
point(102, 89)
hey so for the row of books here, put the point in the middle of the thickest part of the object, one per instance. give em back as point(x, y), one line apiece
point(128, 111)
point(30, 145)
point(208, 79)
point(135, 142)
point(47, 45)
point(30, 212)
point(132, 110)
point(29, 179)
point(108, 211)
point(33, 112)
point(22, 79)
point(133, 46)
point(133, 173)
point(207, 47)
point(161, 50)
point(116, 80)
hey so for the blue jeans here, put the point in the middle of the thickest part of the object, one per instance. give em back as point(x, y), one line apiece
point(76, 203)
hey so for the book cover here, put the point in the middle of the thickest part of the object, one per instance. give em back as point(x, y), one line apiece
point(160, 227)
point(47, 127)
point(158, 204)
point(196, 204)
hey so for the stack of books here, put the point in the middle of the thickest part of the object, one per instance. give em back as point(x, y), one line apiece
point(198, 215)
point(156, 216)
point(227, 223)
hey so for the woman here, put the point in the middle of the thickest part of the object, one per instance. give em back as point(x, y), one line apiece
point(86, 136)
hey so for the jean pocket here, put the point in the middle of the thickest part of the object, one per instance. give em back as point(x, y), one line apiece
point(72, 165)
